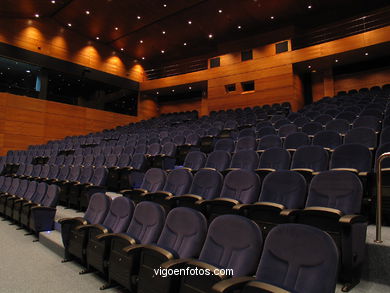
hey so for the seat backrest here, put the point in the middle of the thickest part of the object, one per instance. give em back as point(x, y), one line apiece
point(178, 182)
point(154, 179)
point(224, 144)
point(78, 160)
point(195, 160)
point(184, 232)
point(296, 139)
point(287, 129)
point(32, 186)
point(69, 160)
point(207, 183)
point(218, 160)
point(367, 121)
point(22, 188)
point(327, 139)
point(36, 170)
point(98, 207)
point(246, 143)
point(86, 174)
point(111, 160)
point(140, 149)
point(138, 161)
point(233, 242)
point(351, 155)
point(310, 157)
point(312, 128)
point(99, 176)
point(269, 141)
point(339, 125)
point(284, 187)
point(74, 173)
point(245, 159)
point(119, 215)
point(39, 192)
point(341, 190)
point(169, 149)
point(147, 222)
point(51, 197)
point(45, 171)
point(63, 172)
point(154, 149)
point(124, 160)
point(99, 160)
point(299, 258)
point(363, 135)
point(275, 158)
point(241, 185)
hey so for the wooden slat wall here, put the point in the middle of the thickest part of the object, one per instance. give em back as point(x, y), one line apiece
point(180, 106)
point(65, 44)
point(27, 121)
point(363, 79)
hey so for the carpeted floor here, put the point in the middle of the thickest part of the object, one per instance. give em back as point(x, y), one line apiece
point(27, 266)
point(30, 267)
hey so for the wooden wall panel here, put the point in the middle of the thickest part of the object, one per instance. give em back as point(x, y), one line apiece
point(362, 79)
point(53, 40)
point(29, 121)
point(180, 106)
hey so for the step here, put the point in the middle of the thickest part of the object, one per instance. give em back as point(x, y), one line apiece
point(53, 241)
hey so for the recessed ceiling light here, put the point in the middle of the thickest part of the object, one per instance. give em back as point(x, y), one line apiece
point(157, 93)
point(173, 91)
point(309, 6)
point(239, 27)
point(116, 28)
point(36, 15)
point(138, 17)
point(143, 58)
point(309, 66)
point(69, 24)
point(8, 68)
point(366, 53)
point(185, 44)
point(165, 5)
point(28, 71)
point(220, 11)
point(97, 38)
point(162, 51)
point(272, 17)
point(337, 60)
point(189, 22)
point(122, 49)
point(141, 41)
point(210, 36)
point(53, 2)
point(163, 32)
point(87, 12)
point(190, 88)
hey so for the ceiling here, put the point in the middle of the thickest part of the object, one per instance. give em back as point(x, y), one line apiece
point(161, 31)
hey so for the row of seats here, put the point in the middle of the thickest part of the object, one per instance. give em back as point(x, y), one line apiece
point(122, 242)
point(30, 204)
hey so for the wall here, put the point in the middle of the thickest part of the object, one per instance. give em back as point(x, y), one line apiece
point(180, 106)
point(362, 79)
point(53, 40)
point(27, 121)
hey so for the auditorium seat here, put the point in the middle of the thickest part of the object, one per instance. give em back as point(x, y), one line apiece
point(145, 228)
point(280, 190)
point(218, 160)
point(273, 159)
point(341, 126)
point(153, 181)
point(295, 258)
point(362, 135)
point(233, 242)
point(333, 205)
point(95, 214)
point(352, 157)
point(312, 128)
point(117, 221)
point(295, 140)
point(22, 198)
point(269, 141)
point(239, 186)
point(185, 224)
point(194, 161)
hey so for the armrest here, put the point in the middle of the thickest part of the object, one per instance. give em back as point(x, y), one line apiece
point(208, 267)
point(30, 204)
point(269, 205)
point(79, 220)
point(232, 284)
point(161, 251)
point(175, 263)
point(266, 287)
point(43, 208)
point(109, 236)
point(101, 228)
point(352, 219)
point(189, 196)
point(322, 210)
point(291, 150)
point(303, 170)
point(224, 200)
point(363, 174)
point(265, 170)
point(289, 212)
point(134, 191)
point(346, 169)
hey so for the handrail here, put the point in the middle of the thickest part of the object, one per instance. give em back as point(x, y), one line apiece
point(378, 237)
